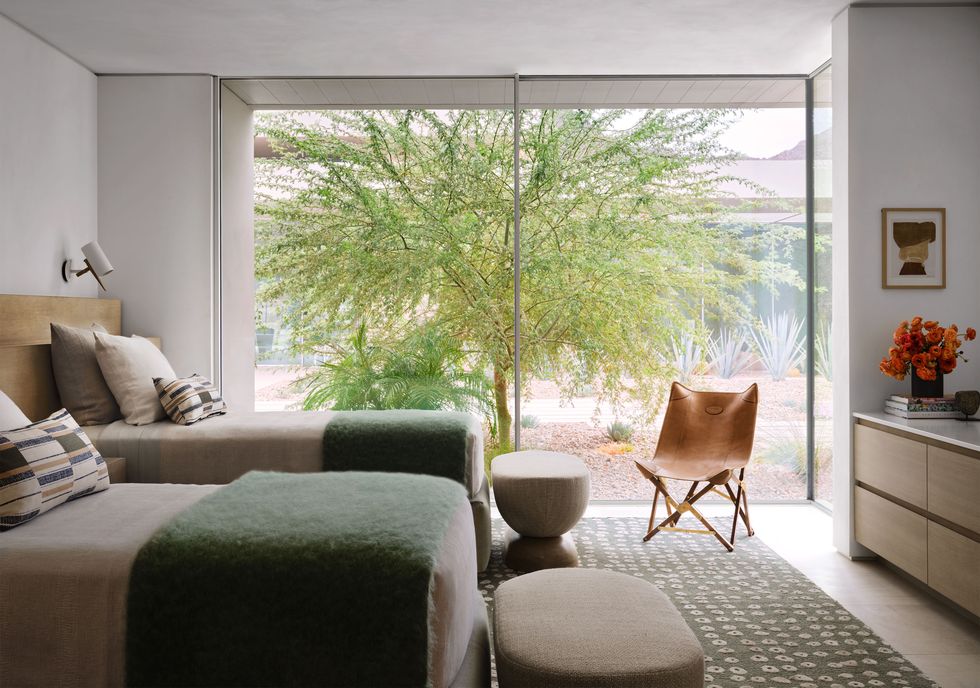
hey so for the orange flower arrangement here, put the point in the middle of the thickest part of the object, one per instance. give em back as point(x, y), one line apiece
point(926, 347)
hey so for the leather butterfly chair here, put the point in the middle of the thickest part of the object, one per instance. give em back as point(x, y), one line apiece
point(706, 440)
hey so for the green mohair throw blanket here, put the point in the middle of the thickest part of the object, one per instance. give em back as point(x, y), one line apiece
point(292, 580)
point(432, 442)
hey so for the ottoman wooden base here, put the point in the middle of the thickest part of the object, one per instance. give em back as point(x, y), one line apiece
point(526, 554)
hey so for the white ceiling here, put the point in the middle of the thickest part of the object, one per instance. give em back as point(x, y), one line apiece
point(499, 93)
point(435, 37)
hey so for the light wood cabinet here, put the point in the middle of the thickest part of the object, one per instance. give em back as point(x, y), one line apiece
point(892, 464)
point(954, 566)
point(954, 487)
point(917, 504)
point(892, 532)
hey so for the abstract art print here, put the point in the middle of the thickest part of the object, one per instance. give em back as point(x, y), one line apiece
point(913, 248)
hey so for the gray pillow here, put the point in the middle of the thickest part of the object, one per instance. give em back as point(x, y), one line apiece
point(11, 417)
point(81, 385)
point(129, 365)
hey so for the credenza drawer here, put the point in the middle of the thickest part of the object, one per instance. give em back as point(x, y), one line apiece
point(891, 531)
point(954, 487)
point(954, 563)
point(895, 465)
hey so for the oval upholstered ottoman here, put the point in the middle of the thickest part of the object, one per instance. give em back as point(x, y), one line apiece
point(590, 628)
point(541, 495)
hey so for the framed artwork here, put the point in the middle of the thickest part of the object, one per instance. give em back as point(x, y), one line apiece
point(913, 248)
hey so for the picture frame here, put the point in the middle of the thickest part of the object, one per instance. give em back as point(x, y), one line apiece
point(913, 248)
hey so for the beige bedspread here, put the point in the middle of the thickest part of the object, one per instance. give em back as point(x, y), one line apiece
point(64, 579)
point(220, 449)
point(63, 583)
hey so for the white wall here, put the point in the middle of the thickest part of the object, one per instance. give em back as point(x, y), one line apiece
point(155, 209)
point(48, 194)
point(906, 97)
point(237, 253)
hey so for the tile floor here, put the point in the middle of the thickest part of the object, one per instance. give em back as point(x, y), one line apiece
point(945, 645)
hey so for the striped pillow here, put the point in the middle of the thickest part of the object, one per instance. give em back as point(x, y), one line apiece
point(189, 399)
point(46, 464)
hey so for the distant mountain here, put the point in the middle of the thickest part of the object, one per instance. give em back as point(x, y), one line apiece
point(822, 145)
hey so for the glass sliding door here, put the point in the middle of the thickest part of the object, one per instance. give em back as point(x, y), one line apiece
point(384, 248)
point(663, 238)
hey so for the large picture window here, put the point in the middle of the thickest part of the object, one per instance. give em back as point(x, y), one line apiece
point(665, 233)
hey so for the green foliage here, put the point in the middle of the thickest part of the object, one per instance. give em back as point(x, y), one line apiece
point(529, 421)
point(779, 343)
point(426, 370)
point(728, 353)
point(823, 364)
point(404, 218)
point(619, 431)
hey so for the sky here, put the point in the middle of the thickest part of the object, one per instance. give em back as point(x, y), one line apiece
point(764, 133)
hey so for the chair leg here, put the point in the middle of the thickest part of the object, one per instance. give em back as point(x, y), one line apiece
point(693, 495)
point(673, 514)
point(739, 497)
point(653, 510)
point(745, 501)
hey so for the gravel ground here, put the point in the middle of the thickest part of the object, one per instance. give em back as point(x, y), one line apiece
point(614, 476)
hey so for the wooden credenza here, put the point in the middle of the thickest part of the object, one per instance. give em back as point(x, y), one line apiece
point(917, 500)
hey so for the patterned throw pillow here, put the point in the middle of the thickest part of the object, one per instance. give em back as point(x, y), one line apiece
point(46, 464)
point(189, 399)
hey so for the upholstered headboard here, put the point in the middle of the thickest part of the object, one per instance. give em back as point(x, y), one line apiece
point(25, 343)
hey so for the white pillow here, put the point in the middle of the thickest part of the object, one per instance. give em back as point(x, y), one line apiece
point(11, 417)
point(129, 365)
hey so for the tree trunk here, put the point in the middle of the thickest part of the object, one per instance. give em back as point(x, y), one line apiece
point(504, 419)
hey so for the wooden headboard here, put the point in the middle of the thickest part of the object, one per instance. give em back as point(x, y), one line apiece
point(25, 343)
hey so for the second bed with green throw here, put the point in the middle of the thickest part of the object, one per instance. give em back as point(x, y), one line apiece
point(334, 579)
point(220, 449)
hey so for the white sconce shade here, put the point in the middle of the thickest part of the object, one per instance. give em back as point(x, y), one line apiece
point(96, 258)
point(95, 263)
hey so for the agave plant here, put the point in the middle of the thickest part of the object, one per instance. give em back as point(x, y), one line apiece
point(619, 431)
point(426, 370)
point(687, 356)
point(728, 353)
point(529, 421)
point(821, 353)
point(779, 343)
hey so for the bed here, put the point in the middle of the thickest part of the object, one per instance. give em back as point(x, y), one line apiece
point(215, 451)
point(64, 581)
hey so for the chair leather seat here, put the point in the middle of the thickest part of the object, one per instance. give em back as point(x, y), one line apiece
point(685, 469)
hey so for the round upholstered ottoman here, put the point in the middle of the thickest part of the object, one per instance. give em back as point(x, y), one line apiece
point(541, 495)
point(589, 628)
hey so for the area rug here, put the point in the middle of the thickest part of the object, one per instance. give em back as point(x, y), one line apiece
point(761, 622)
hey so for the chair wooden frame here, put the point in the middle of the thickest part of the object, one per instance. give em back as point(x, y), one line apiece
point(738, 497)
point(706, 440)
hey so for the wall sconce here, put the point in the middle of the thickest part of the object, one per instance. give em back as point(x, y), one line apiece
point(95, 263)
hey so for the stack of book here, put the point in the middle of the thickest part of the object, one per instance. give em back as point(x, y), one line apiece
point(907, 406)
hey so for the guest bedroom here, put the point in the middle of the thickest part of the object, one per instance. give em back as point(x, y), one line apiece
point(468, 345)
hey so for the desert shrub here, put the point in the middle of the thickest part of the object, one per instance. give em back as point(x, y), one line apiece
point(779, 343)
point(728, 353)
point(822, 353)
point(687, 357)
point(529, 421)
point(619, 431)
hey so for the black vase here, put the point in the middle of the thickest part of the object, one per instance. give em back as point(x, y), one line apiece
point(927, 388)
